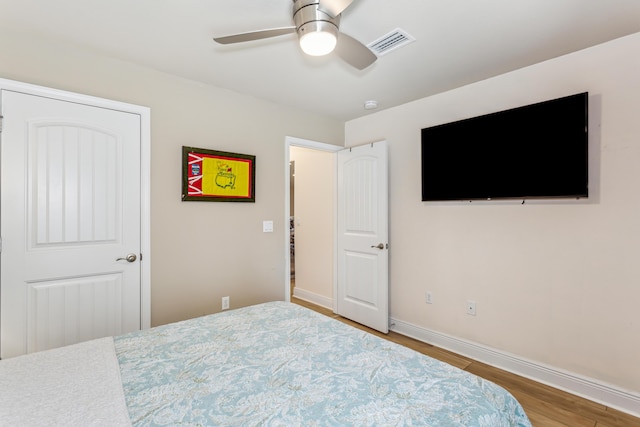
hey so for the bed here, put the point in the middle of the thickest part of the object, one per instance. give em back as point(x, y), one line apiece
point(271, 364)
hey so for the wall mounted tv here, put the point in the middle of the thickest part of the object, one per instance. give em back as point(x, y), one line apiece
point(536, 151)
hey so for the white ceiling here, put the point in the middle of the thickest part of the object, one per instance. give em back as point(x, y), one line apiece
point(457, 42)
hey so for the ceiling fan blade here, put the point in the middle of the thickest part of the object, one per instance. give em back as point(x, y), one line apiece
point(254, 35)
point(333, 8)
point(353, 52)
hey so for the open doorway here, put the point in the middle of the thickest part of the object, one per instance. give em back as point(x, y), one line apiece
point(310, 208)
point(292, 227)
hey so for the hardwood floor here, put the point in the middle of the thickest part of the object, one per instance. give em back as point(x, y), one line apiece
point(545, 406)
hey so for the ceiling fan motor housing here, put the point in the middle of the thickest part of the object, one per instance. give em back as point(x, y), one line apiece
point(307, 17)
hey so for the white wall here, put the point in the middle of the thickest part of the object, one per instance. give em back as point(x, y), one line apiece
point(314, 217)
point(199, 251)
point(556, 283)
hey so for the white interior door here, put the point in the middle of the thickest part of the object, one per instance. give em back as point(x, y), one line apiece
point(362, 247)
point(70, 216)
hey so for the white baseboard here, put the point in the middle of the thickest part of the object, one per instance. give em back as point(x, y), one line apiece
point(606, 394)
point(313, 298)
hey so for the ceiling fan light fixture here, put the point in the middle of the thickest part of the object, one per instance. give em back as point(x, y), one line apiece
point(318, 43)
point(318, 38)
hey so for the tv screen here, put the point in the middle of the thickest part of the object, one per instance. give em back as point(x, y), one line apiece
point(536, 151)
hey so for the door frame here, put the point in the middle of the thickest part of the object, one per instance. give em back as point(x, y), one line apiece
point(291, 141)
point(145, 172)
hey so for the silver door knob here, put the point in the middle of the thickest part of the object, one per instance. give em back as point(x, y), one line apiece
point(379, 246)
point(128, 258)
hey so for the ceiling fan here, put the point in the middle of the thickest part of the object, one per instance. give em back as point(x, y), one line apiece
point(317, 24)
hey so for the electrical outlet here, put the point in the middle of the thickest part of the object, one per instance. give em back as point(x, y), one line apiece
point(428, 297)
point(471, 308)
point(225, 303)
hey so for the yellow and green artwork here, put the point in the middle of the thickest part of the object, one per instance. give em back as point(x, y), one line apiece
point(210, 175)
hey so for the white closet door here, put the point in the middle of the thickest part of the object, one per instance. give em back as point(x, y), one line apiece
point(70, 207)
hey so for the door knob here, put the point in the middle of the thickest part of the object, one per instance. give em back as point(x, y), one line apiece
point(379, 246)
point(128, 258)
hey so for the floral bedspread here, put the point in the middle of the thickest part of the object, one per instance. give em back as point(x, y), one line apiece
point(279, 364)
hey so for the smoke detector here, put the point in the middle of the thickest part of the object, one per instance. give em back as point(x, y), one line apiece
point(370, 105)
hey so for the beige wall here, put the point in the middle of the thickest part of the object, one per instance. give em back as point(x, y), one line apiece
point(557, 283)
point(200, 251)
point(314, 216)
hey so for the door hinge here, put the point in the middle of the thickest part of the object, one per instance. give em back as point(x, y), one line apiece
point(1, 121)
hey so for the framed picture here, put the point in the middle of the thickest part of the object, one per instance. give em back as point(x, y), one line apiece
point(217, 176)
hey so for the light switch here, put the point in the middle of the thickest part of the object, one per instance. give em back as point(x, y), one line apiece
point(267, 226)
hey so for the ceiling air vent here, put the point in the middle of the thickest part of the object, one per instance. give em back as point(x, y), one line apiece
point(389, 42)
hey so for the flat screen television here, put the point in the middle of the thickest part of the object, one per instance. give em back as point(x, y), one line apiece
point(535, 151)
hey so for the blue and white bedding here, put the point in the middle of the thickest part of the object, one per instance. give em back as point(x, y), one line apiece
point(279, 364)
